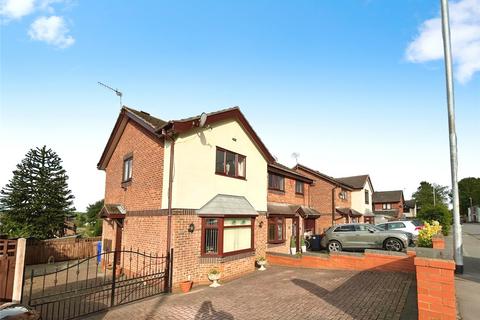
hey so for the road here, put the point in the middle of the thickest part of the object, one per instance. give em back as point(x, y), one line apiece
point(468, 284)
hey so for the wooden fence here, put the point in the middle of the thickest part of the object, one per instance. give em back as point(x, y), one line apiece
point(55, 250)
point(8, 250)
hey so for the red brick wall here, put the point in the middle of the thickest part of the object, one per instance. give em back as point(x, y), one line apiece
point(145, 190)
point(436, 289)
point(369, 261)
point(187, 252)
point(321, 194)
point(147, 233)
point(289, 195)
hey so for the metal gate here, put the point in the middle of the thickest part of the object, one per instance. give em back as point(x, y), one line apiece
point(97, 283)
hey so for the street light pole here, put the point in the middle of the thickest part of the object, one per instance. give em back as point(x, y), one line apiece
point(457, 228)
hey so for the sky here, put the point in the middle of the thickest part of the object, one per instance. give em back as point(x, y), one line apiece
point(354, 87)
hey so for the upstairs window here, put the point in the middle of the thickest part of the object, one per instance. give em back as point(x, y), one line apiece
point(367, 197)
point(298, 187)
point(343, 195)
point(386, 206)
point(276, 182)
point(127, 168)
point(230, 164)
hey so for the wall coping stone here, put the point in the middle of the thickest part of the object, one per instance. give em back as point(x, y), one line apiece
point(433, 253)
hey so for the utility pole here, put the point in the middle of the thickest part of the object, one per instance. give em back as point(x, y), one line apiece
point(457, 228)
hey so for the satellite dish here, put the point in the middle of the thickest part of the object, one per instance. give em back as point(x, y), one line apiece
point(203, 120)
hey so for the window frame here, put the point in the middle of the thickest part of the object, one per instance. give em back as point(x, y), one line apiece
point(386, 206)
point(237, 156)
point(221, 228)
point(276, 223)
point(127, 158)
point(298, 183)
point(273, 188)
point(367, 196)
point(337, 229)
point(343, 195)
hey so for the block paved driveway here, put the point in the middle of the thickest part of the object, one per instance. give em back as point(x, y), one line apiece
point(282, 293)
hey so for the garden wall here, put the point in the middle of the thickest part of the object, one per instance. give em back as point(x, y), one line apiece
point(371, 259)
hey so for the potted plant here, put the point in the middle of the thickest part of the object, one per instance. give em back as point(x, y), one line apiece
point(293, 245)
point(214, 275)
point(262, 262)
point(185, 286)
point(302, 243)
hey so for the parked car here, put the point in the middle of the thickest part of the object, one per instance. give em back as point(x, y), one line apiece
point(408, 226)
point(363, 236)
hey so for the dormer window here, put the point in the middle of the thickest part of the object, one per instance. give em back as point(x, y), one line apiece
point(230, 164)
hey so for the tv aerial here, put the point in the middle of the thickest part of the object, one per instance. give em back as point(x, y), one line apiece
point(117, 92)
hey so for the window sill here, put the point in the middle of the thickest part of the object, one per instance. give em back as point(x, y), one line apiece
point(209, 259)
point(226, 175)
point(276, 190)
point(276, 242)
point(300, 194)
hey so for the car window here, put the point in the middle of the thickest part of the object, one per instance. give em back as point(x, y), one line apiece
point(382, 226)
point(417, 223)
point(396, 225)
point(362, 227)
point(346, 228)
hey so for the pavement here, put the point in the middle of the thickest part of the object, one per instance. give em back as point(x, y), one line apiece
point(282, 293)
point(468, 284)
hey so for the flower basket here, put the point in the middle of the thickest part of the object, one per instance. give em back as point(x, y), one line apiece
point(262, 262)
point(214, 276)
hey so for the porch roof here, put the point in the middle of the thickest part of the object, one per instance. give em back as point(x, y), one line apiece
point(224, 205)
point(112, 211)
point(349, 212)
point(286, 209)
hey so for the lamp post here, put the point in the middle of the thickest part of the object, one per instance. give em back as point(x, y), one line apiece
point(457, 228)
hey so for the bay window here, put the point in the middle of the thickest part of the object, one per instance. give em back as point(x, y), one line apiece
point(230, 164)
point(276, 230)
point(227, 236)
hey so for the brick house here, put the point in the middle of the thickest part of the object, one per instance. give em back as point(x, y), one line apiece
point(328, 196)
point(388, 205)
point(361, 209)
point(197, 185)
point(288, 210)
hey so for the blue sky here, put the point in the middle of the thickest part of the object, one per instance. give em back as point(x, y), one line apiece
point(332, 80)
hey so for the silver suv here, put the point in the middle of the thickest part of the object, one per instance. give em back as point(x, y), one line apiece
point(363, 236)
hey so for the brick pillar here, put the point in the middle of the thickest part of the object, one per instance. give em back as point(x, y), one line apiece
point(435, 289)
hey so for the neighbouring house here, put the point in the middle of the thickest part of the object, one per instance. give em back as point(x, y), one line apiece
point(288, 210)
point(388, 205)
point(331, 198)
point(197, 185)
point(410, 209)
point(361, 202)
point(473, 214)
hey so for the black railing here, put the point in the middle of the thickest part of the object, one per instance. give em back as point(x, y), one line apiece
point(97, 283)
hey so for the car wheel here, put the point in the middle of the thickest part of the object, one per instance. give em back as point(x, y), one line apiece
point(334, 246)
point(392, 244)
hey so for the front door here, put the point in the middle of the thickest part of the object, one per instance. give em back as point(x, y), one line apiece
point(296, 232)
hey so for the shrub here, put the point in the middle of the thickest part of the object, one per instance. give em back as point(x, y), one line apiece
point(426, 235)
point(438, 213)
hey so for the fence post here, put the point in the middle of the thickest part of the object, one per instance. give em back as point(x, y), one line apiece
point(170, 271)
point(19, 269)
point(114, 271)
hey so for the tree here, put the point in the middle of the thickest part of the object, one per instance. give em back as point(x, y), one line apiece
point(424, 195)
point(94, 223)
point(468, 188)
point(438, 213)
point(36, 200)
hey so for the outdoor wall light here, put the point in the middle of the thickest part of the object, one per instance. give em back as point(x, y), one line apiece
point(260, 224)
point(191, 228)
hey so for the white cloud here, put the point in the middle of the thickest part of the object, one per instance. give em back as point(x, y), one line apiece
point(16, 9)
point(465, 33)
point(52, 30)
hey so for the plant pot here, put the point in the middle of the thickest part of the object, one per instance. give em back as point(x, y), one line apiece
point(262, 264)
point(186, 286)
point(293, 251)
point(214, 277)
point(304, 248)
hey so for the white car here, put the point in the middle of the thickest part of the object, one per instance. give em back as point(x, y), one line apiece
point(407, 226)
